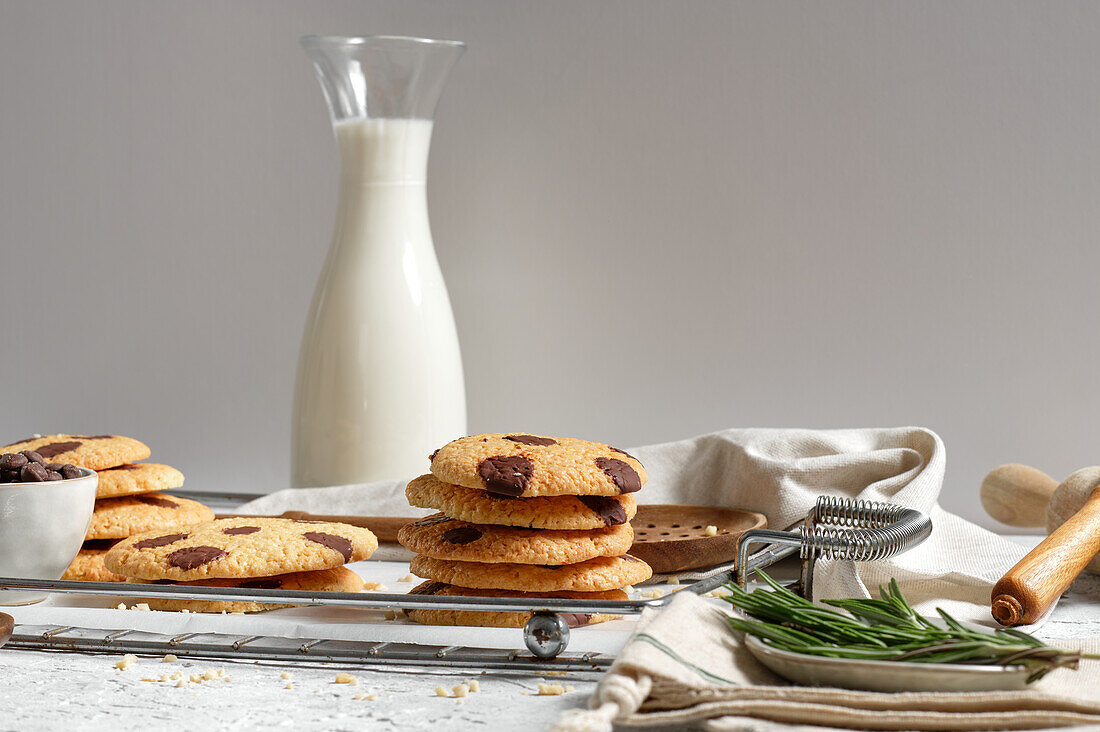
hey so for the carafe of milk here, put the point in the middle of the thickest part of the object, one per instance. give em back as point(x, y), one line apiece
point(379, 383)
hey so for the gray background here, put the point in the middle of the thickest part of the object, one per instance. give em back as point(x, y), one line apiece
point(656, 219)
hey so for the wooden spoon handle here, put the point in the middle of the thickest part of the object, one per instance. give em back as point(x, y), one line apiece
point(1017, 495)
point(1037, 580)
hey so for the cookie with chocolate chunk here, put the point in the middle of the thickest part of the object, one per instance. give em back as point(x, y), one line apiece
point(595, 575)
point(505, 619)
point(135, 478)
point(527, 466)
point(117, 518)
point(96, 452)
point(88, 565)
point(336, 579)
point(441, 537)
point(551, 512)
point(241, 547)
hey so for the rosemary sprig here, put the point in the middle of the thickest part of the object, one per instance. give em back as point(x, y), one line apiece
point(885, 629)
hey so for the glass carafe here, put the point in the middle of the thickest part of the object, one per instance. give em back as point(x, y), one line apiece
point(379, 383)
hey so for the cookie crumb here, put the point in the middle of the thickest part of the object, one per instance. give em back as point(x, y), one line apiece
point(653, 594)
point(374, 586)
point(181, 683)
point(672, 581)
point(185, 611)
point(365, 697)
point(126, 662)
point(551, 690)
point(711, 531)
point(120, 606)
point(147, 679)
point(289, 685)
point(343, 678)
point(170, 658)
point(284, 675)
point(144, 606)
point(474, 685)
point(407, 578)
point(440, 691)
point(461, 690)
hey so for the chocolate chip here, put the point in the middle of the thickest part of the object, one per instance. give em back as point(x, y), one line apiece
point(622, 452)
point(338, 543)
point(191, 557)
point(9, 476)
point(94, 437)
point(159, 541)
point(33, 473)
point(157, 501)
point(68, 472)
point(428, 589)
point(12, 461)
point(53, 475)
point(56, 448)
point(575, 620)
point(264, 583)
point(531, 440)
point(130, 466)
point(432, 456)
point(622, 475)
point(461, 535)
point(33, 456)
point(506, 475)
point(432, 520)
point(241, 530)
point(607, 508)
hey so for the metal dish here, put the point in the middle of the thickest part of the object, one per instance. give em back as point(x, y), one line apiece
point(889, 676)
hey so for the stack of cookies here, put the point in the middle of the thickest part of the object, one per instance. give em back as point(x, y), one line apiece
point(264, 553)
point(524, 516)
point(128, 500)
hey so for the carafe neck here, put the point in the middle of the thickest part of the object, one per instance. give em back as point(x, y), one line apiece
point(383, 151)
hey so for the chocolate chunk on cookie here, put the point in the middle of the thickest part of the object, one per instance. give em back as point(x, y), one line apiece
point(520, 465)
point(550, 512)
point(96, 452)
point(240, 548)
point(445, 538)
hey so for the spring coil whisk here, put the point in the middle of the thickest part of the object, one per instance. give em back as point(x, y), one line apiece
point(860, 531)
point(842, 528)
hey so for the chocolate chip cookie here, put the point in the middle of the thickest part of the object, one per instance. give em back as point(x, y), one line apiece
point(595, 575)
point(336, 579)
point(502, 620)
point(88, 564)
point(96, 452)
point(117, 518)
point(552, 512)
point(135, 478)
point(527, 466)
point(441, 537)
point(235, 548)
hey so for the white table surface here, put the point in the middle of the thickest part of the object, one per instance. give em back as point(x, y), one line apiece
point(84, 692)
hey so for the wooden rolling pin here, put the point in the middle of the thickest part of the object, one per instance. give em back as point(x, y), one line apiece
point(1013, 494)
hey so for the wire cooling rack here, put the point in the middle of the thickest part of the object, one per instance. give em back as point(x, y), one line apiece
point(850, 530)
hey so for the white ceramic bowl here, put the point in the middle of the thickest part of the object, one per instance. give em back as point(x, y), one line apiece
point(42, 526)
